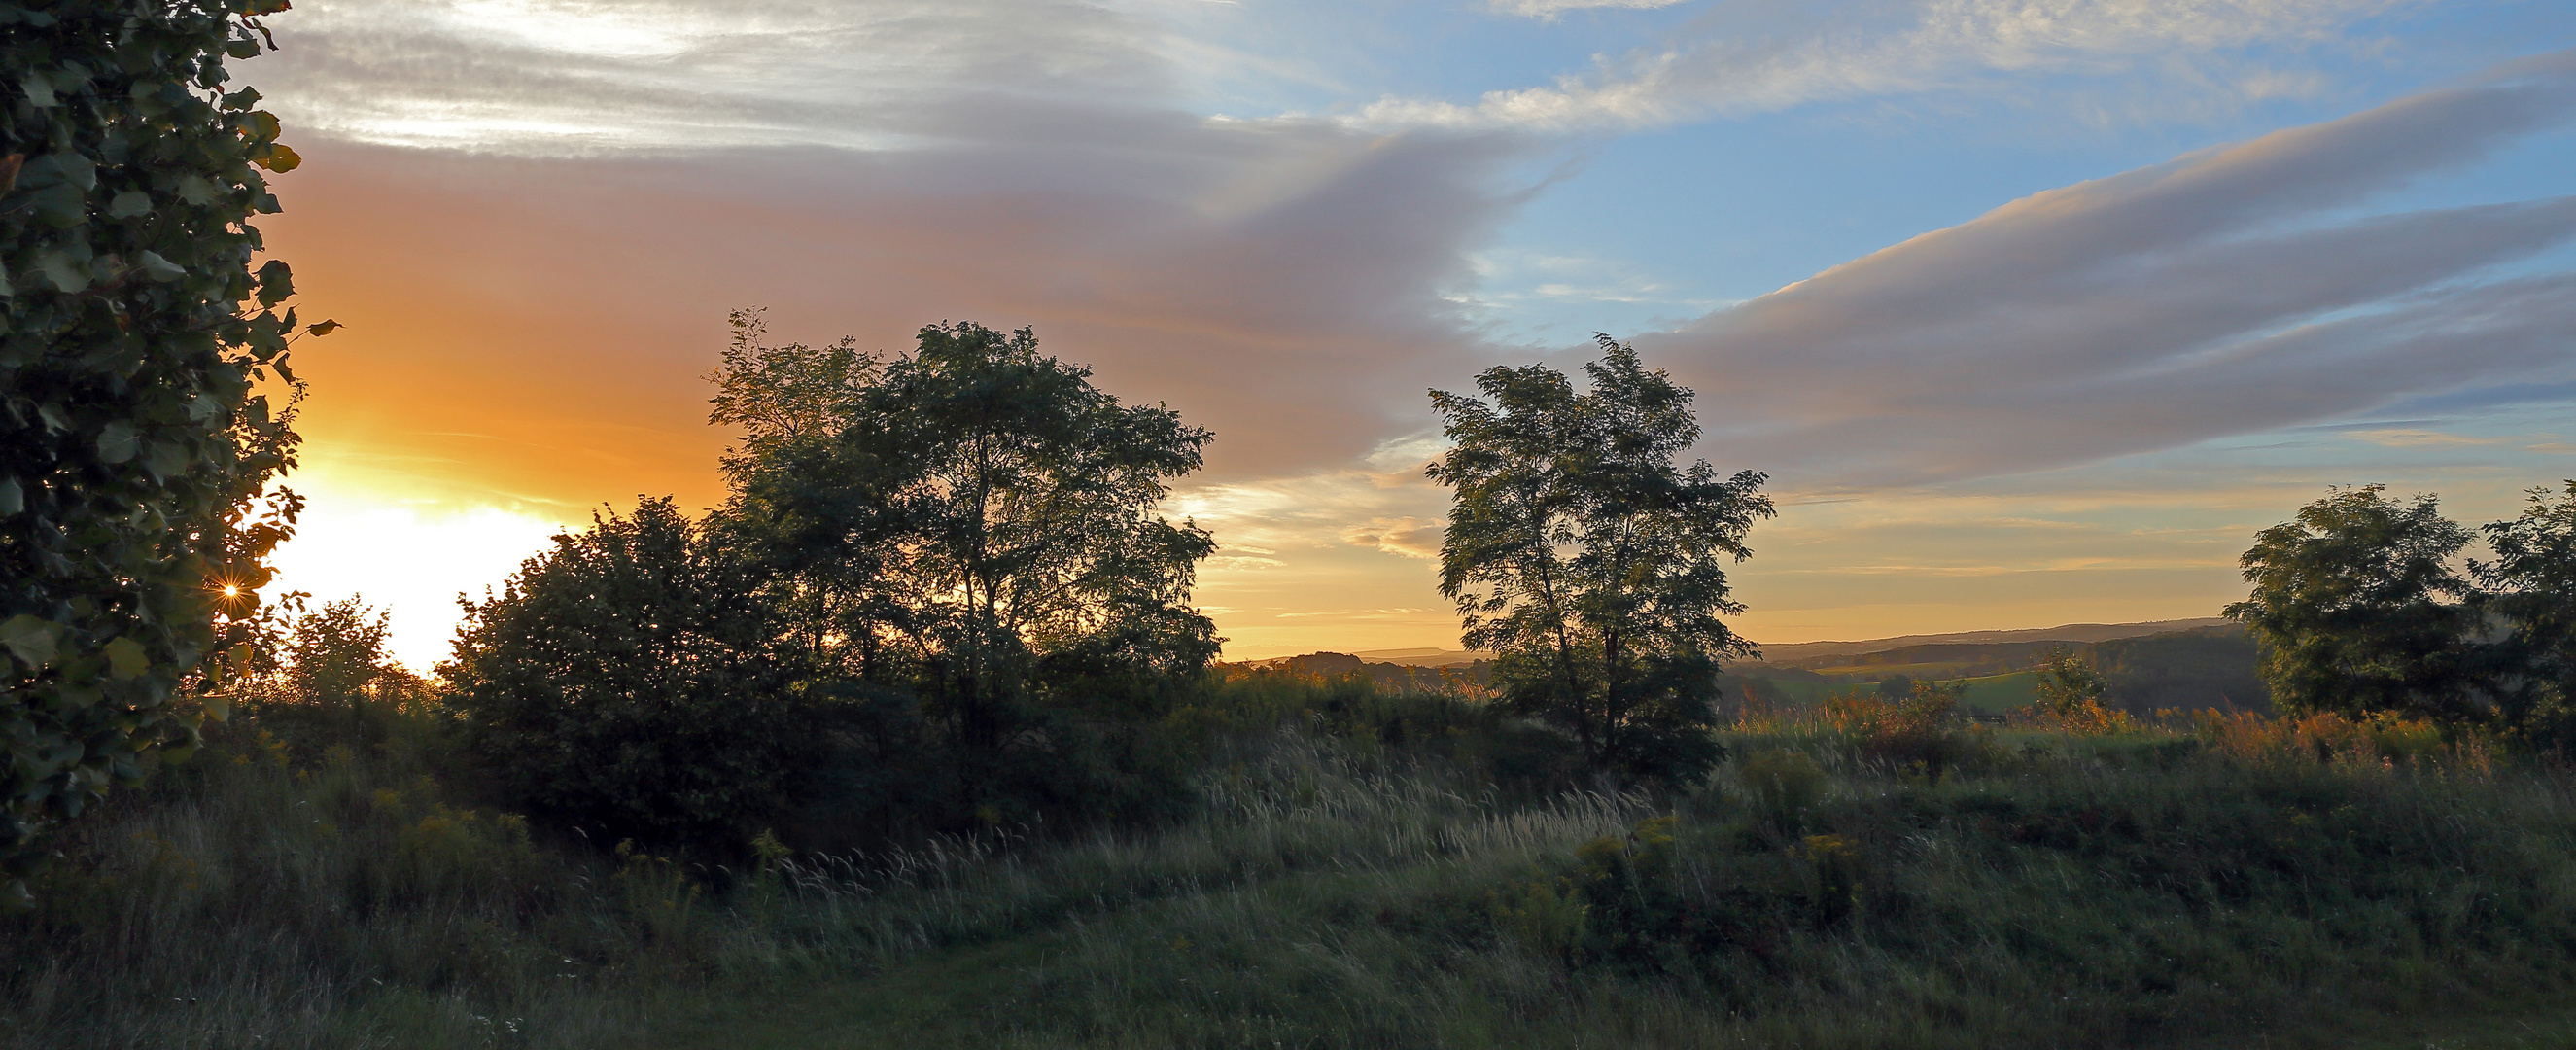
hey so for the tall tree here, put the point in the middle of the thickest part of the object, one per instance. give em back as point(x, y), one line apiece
point(2357, 608)
point(970, 508)
point(133, 327)
point(2532, 587)
point(1590, 562)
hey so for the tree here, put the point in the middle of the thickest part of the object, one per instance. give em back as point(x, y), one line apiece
point(336, 656)
point(1590, 563)
point(625, 681)
point(133, 449)
point(2068, 694)
point(966, 521)
point(2357, 608)
point(2532, 586)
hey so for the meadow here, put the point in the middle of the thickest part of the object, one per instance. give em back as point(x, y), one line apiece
point(1359, 867)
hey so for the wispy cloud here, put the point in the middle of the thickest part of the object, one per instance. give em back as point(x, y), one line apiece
point(1551, 9)
point(1406, 537)
point(1746, 57)
point(2213, 295)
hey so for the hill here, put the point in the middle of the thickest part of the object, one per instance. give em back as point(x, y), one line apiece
point(1813, 654)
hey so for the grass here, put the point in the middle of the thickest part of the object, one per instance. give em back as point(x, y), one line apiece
point(1348, 877)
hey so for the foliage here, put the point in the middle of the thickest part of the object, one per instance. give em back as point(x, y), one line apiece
point(2070, 696)
point(1579, 552)
point(2357, 609)
point(972, 523)
point(133, 451)
point(2155, 889)
point(2532, 586)
point(625, 681)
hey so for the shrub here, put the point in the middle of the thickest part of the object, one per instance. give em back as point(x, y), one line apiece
point(625, 681)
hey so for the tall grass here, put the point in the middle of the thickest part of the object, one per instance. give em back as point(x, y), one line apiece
point(1351, 875)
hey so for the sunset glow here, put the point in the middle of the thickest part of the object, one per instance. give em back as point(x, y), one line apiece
point(2032, 321)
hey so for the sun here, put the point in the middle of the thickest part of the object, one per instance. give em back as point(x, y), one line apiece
point(232, 591)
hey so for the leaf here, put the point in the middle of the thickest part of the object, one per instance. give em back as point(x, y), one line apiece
point(40, 90)
point(322, 328)
point(278, 158)
point(266, 7)
point(276, 282)
point(77, 170)
point(9, 166)
point(12, 498)
point(68, 277)
point(129, 204)
point(30, 638)
point(116, 442)
point(126, 659)
point(156, 268)
point(167, 459)
point(218, 707)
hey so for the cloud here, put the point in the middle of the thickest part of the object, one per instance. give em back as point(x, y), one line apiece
point(603, 189)
point(1752, 56)
point(558, 76)
point(1407, 537)
point(1550, 9)
point(2217, 294)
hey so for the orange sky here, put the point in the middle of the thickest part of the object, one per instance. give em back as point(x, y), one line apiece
point(2068, 388)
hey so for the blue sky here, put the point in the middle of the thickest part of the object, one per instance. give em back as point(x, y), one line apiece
point(2034, 310)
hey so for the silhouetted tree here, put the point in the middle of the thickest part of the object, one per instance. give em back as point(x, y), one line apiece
point(1593, 565)
point(2357, 608)
point(2532, 588)
point(625, 680)
point(973, 521)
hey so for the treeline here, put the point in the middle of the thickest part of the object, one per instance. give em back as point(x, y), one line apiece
point(2363, 605)
point(938, 598)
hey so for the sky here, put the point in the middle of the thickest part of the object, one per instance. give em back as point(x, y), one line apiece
point(2034, 311)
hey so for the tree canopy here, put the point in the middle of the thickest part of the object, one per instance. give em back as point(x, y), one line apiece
point(1593, 564)
point(134, 448)
point(2358, 608)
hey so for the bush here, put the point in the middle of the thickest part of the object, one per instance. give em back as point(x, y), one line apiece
point(626, 682)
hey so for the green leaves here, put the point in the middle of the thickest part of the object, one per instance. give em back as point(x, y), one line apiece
point(133, 461)
point(30, 639)
point(125, 659)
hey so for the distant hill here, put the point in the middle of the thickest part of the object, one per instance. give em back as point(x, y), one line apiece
point(1821, 654)
point(2166, 663)
point(1423, 657)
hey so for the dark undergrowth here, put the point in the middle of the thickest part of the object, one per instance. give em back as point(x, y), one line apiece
point(1353, 871)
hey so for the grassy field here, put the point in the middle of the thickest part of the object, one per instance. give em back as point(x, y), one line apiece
point(1868, 882)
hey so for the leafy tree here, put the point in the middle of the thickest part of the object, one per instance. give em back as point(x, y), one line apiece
point(625, 680)
point(2357, 608)
point(1593, 565)
point(133, 450)
point(2069, 694)
point(2532, 586)
point(337, 656)
point(971, 520)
